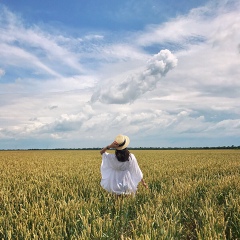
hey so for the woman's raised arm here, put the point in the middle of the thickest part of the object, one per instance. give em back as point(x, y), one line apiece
point(112, 145)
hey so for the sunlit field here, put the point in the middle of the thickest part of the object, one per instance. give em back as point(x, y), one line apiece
point(193, 194)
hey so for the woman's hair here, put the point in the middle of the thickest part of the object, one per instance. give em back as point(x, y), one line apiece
point(122, 155)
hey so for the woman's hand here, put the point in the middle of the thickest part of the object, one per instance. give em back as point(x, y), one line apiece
point(113, 145)
point(144, 184)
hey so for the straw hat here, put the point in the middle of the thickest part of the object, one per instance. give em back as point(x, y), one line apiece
point(122, 140)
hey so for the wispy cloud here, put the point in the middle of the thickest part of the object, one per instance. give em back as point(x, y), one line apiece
point(30, 47)
point(215, 23)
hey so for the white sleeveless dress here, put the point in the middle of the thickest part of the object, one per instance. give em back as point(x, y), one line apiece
point(120, 177)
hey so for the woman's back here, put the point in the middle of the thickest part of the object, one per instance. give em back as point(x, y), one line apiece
point(120, 177)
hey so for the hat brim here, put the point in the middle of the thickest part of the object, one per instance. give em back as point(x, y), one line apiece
point(127, 141)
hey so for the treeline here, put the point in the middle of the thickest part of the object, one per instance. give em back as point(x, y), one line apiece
point(185, 148)
point(140, 148)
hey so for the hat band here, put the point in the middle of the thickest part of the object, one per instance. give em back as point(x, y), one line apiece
point(120, 145)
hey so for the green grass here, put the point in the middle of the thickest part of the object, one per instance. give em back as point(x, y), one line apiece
point(57, 195)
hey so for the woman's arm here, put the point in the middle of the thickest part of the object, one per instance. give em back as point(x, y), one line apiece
point(112, 145)
point(104, 149)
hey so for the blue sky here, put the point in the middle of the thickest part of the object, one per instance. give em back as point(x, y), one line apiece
point(75, 74)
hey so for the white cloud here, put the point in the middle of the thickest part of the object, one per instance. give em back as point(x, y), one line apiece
point(55, 136)
point(94, 37)
point(122, 52)
point(230, 127)
point(131, 88)
point(2, 72)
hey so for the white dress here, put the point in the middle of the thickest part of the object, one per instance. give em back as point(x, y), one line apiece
point(120, 177)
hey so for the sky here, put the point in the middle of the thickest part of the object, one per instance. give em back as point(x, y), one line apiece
point(74, 74)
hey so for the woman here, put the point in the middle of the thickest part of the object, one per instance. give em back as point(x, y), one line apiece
point(120, 171)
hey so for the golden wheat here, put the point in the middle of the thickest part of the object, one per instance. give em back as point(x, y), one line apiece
point(193, 194)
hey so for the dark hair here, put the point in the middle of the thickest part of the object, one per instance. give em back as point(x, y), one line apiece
point(122, 155)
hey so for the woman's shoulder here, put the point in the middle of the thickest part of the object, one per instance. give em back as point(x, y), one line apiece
point(132, 156)
point(108, 155)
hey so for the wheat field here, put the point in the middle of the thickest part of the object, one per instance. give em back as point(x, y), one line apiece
point(193, 194)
